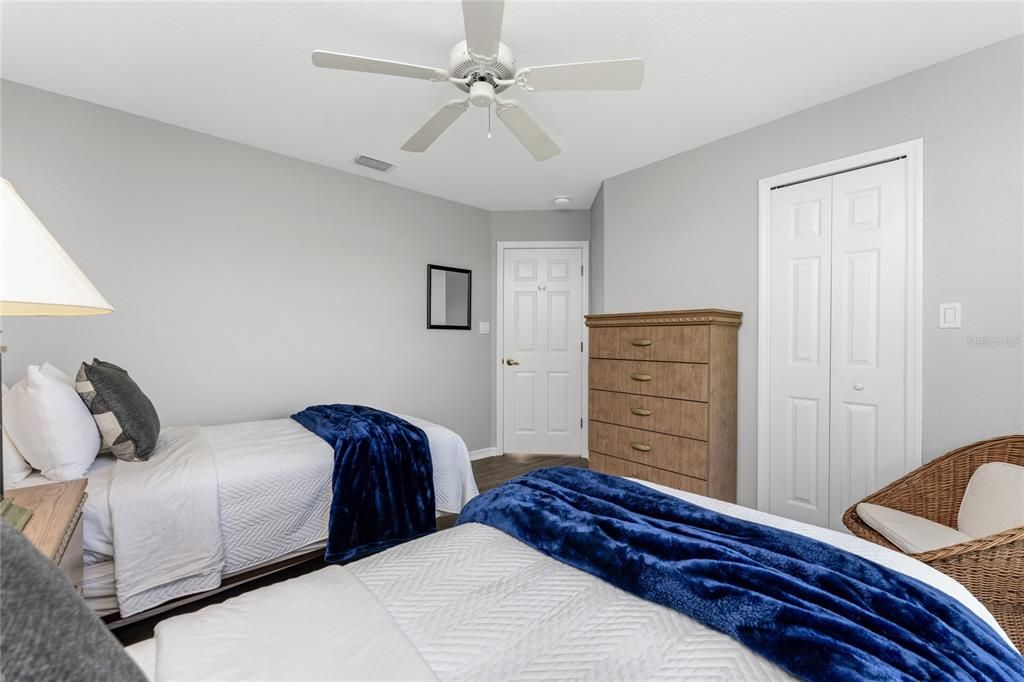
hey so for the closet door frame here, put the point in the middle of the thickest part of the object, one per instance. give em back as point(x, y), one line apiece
point(913, 150)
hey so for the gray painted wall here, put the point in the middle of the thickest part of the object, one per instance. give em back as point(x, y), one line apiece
point(529, 226)
point(597, 257)
point(682, 233)
point(246, 284)
point(537, 226)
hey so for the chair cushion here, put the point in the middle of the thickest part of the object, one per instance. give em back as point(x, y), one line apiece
point(912, 534)
point(993, 501)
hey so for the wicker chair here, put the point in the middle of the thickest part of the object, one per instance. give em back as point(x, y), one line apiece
point(991, 567)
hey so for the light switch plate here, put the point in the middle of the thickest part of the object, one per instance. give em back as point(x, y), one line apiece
point(485, 327)
point(949, 316)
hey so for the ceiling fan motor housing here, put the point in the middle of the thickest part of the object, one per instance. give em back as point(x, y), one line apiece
point(481, 94)
point(502, 67)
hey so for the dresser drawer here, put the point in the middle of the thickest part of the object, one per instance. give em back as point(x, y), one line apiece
point(623, 467)
point(675, 417)
point(660, 450)
point(670, 344)
point(664, 379)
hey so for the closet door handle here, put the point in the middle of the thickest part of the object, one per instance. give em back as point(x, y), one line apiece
point(641, 342)
point(640, 412)
point(640, 377)
point(640, 447)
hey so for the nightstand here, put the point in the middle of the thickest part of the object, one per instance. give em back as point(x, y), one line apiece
point(55, 528)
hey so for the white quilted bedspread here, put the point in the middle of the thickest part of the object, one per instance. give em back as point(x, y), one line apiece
point(480, 605)
point(275, 485)
point(274, 488)
point(476, 604)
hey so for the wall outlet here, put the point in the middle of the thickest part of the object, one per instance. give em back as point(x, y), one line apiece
point(485, 327)
point(949, 316)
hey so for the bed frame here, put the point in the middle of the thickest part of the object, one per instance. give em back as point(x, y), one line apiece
point(115, 621)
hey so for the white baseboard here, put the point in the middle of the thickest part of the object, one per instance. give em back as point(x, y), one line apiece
point(483, 453)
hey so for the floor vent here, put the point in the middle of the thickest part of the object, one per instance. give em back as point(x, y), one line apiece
point(375, 164)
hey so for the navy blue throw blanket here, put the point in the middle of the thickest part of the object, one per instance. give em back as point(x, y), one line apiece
point(817, 611)
point(383, 481)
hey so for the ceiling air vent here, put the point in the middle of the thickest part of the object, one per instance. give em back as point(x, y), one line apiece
point(375, 164)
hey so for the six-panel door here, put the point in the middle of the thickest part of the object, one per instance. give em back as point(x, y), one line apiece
point(542, 353)
point(838, 341)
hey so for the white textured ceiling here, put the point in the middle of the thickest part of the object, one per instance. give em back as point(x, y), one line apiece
point(241, 71)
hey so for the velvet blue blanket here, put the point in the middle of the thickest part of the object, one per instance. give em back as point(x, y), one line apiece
point(817, 611)
point(383, 481)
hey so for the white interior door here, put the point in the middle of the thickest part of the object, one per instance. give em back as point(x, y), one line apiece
point(869, 333)
point(839, 280)
point(542, 335)
point(800, 350)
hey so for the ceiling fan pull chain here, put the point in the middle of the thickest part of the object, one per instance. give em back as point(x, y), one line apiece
point(489, 123)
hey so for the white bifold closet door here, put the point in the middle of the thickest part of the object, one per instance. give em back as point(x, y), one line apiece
point(838, 343)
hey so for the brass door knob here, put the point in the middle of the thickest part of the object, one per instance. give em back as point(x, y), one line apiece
point(510, 362)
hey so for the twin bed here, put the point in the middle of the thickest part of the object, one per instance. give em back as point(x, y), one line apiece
point(215, 503)
point(475, 603)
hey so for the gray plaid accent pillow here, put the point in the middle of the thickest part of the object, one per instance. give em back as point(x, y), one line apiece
point(127, 420)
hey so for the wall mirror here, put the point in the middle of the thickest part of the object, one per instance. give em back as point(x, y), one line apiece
point(449, 295)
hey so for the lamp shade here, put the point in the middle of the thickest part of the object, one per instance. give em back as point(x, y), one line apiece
point(36, 276)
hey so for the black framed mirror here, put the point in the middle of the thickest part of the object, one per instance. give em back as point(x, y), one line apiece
point(449, 297)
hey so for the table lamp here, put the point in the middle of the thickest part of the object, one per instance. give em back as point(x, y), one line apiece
point(36, 278)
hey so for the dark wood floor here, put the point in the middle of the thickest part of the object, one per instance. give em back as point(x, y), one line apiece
point(489, 473)
point(494, 471)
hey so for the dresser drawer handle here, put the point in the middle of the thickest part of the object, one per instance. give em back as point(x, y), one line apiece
point(640, 447)
point(641, 342)
point(640, 412)
point(640, 377)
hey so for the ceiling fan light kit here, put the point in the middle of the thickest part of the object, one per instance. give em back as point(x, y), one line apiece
point(483, 67)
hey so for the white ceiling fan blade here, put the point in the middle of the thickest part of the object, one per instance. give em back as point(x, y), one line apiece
point(438, 123)
point(483, 27)
point(616, 74)
point(531, 135)
point(351, 62)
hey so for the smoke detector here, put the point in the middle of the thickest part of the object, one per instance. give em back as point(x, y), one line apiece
point(561, 201)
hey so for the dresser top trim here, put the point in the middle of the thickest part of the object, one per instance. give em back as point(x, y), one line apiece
point(667, 318)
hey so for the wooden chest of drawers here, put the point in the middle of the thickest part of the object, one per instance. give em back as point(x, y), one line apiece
point(663, 398)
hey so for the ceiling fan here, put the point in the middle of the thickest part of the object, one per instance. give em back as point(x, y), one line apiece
point(482, 66)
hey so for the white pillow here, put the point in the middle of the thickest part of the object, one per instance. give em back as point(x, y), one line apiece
point(993, 501)
point(15, 466)
point(912, 534)
point(50, 425)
